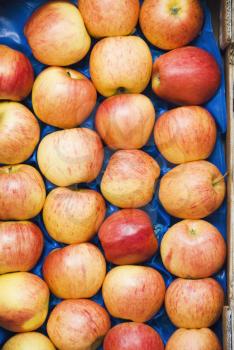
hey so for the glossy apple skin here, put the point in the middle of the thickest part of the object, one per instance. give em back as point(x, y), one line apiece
point(73, 216)
point(201, 339)
point(21, 244)
point(68, 157)
point(120, 64)
point(22, 192)
point(20, 133)
point(63, 97)
point(133, 293)
point(78, 324)
point(104, 18)
point(193, 249)
point(16, 76)
point(74, 272)
point(29, 341)
point(194, 303)
point(56, 34)
point(24, 299)
point(129, 179)
point(185, 134)
point(125, 121)
point(127, 237)
point(132, 336)
point(186, 76)
point(192, 190)
point(169, 25)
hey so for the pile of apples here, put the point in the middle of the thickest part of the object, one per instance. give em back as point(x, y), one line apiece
point(121, 67)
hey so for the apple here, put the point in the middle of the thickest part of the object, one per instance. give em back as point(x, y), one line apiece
point(125, 121)
point(29, 341)
point(171, 24)
point(132, 336)
point(194, 303)
point(21, 245)
point(73, 216)
point(133, 293)
point(57, 35)
point(24, 299)
point(193, 339)
point(192, 190)
point(129, 179)
point(185, 134)
point(74, 272)
point(78, 324)
point(186, 76)
point(120, 64)
point(22, 192)
point(20, 133)
point(63, 97)
point(128, 237)
point(193, 249)
point(16, 74)
point(68, 157)
point(105, 18)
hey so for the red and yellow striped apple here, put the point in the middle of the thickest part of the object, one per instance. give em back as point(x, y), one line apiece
point(186, 76)
point(73, 216)
point(185, 134)
point(74, 272)
point(78, 324)
point(128, 237)
point(194, 303)
point(29, 341)
point(20, 133)
point(24, 299)
point(129, 179)
point(56, 34)
point(68, 157)
point(133, 293)
point(192, 190)
point(125, 121)
point(16, 74)
point(21, 245)
point(63, 97)
point(22, 192)
point(193, 249)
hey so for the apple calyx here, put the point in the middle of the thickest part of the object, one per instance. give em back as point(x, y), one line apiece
point(192, 231)
point(219, 179)
point(121, 90)
point(175, 10)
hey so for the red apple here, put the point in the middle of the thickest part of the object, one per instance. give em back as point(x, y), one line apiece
point(171, 24)
point(125, 121)
point(194, 303)
point(24, 300)
point(185, 134)
point(128, 237)
point(120, 64)
point(56, 34)
point(20, 133)
point(129, 179)
point(193, 339)
point(109, 18)
point(16, 74)
point(132, 336)
point(21, 244)
point(73, 216)
point(22, 192)
point(68, 157)
point(133, 293)
point(193, 249)
point(63, 97)
point(78, 324)
point(29, 341)
point(74, 272)
point(192, 190)
point(188, 76)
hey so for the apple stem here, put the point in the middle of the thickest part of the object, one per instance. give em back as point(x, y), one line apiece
point(220, 179)
point(68, 73)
